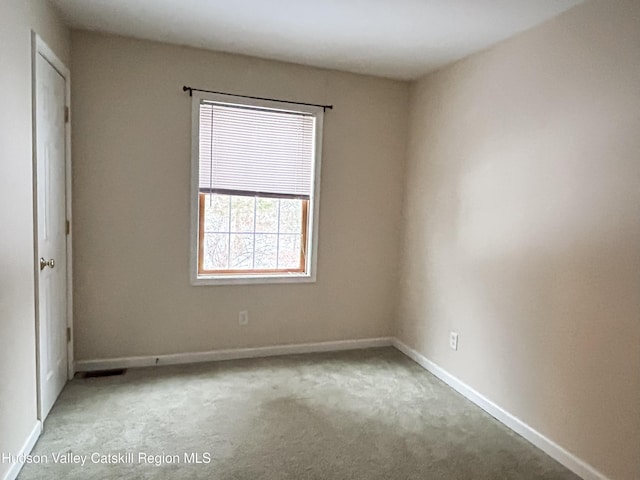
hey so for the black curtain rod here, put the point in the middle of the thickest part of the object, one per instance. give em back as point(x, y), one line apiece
point(191, 90)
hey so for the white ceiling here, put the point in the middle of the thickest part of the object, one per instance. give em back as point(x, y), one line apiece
point(401, 39)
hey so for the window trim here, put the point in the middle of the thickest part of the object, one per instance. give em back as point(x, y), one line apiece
point(313, 203)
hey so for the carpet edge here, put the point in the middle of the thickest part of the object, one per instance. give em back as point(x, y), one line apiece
point(230, 354)
point(26, 449)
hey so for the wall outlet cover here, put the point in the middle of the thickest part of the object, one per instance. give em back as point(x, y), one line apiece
point(453, 340)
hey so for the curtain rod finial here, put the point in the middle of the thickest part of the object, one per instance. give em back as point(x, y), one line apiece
point(185, 88)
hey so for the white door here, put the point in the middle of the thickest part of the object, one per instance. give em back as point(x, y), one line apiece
point(51, 230)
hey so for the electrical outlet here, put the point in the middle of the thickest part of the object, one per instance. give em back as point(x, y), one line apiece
point(243, 318)
point(453, 340)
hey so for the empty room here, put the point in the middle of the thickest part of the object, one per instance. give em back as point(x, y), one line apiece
point(307, 240)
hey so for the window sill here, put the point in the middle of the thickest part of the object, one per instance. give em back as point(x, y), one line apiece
point(252, 279)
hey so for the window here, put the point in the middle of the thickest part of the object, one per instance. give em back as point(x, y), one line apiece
point(255, 176)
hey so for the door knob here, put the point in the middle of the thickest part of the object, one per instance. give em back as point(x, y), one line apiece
point(43, 263)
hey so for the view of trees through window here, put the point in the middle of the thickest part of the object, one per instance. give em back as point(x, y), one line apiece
point(242, 233)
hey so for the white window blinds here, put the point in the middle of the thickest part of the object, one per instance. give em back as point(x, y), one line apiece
point(254, 151)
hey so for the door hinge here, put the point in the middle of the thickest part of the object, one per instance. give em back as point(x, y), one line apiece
point(66, 114)
point(68, 334)
point(67, 227)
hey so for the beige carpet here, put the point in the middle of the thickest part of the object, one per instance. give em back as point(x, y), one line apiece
point(369, 414)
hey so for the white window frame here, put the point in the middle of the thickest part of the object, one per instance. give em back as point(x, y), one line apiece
point(314, 202)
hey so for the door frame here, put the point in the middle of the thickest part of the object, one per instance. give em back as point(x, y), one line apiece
point(40, 47)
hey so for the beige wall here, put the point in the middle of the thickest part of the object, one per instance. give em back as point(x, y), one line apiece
point(522, 222)
point(17, 305)
point(131, 149)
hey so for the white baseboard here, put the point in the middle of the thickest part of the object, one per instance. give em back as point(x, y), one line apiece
point(231, 354)
point(28, 445)
point(555, 451)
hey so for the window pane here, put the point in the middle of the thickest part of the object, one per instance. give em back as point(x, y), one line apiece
point(242, 214)
point(267, 215)
point(266, 252)
point(216, 251)
point(229, 239)
point(216, 213)
point(241, 257)
point(289, 251)
point(290, 216)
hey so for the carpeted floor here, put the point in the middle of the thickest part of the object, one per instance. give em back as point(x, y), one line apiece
point(368, 414)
